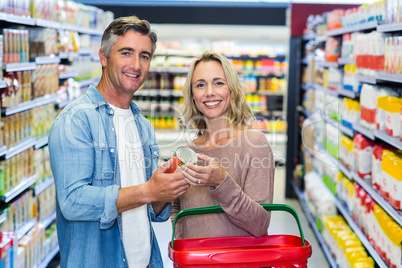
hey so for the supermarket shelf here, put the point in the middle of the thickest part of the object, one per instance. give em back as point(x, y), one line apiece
point(390, 27)
point(22, 186)
point(331, 91)
point(319, 87)
point(320, 38)
point(49, 257)
point(63, 104)
point(183, 70)
point(20, 19)
point(43, 185)
point(85, 83)
point(3, 150)
point(347, 93)
point(28, 105)
point(84, 51)
point(174, 136)
point(25, 228)
point(160, 92)
point(41, 142)
point(64, 55)
point(397, 78)
point(20, 147)
point(80, 29)
point(331, 121)
point(52, 59)
point(3, 84)
point(362, 130)
point(46, 222)
point(268, 93)
point(65, 75)
point(313, 225)
point(310, 36)
point(360, 235)
point(262, 73)
point(345, 171)
point(20, 66)
point(360, 27)
point(328, 64)
point(310, 85)
point(3, 217)
point(48, 23)
point(397, 216)
point(344, 61)
point(170, 136)
point(390, 140)
point(346, 130)
point(366, 79)
point(306, 113)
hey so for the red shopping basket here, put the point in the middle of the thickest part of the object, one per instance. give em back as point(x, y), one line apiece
point(285, 251)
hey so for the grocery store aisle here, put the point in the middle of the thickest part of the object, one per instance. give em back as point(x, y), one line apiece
point(281, 223)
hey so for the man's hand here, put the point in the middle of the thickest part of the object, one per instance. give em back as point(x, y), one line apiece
point(166, 187)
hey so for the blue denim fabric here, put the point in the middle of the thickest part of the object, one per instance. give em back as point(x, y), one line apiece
point(83, 156)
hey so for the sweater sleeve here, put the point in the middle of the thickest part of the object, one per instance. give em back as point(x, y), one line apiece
point(176, 209)
point(241, 202)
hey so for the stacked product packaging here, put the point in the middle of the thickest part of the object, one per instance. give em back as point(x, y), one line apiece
point(346, 151)
point(28, 234)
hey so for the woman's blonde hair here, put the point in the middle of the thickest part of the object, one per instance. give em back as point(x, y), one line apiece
point(239, 113)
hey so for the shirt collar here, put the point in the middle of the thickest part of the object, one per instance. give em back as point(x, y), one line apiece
point(98, 100)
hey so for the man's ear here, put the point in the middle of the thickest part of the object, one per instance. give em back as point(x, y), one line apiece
point(103, 58)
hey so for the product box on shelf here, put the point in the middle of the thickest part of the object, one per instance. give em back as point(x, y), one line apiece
point(5, 251)
point(391, 187)
point(363, 149)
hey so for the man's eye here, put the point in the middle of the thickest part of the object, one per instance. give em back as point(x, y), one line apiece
point(145, 57)
point(125, 53)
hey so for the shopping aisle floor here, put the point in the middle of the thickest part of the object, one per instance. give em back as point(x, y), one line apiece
point(281, 223)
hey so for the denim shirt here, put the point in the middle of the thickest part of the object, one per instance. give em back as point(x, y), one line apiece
point(83, 156)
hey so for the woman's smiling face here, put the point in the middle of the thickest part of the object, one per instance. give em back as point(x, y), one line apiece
point(211, 92)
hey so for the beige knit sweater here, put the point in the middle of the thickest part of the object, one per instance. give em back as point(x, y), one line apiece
point(249, 162)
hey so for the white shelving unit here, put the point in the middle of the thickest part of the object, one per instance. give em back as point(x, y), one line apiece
point(378, 77)
point(7, 152)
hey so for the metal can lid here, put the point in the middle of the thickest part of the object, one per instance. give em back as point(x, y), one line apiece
point(186, 155)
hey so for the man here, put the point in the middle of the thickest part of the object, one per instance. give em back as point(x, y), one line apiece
point(104, 158)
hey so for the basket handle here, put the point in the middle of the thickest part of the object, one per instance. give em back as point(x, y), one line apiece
point(218, 209)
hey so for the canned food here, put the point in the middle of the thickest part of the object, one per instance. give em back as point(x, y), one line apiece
point(186, 155)
point(182, 155)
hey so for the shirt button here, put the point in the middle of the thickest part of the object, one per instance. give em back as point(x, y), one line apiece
point(102, 144)
point(155, 153)
point(124, 260)
point(111, 111)
point(112, 129)
point(112, 150)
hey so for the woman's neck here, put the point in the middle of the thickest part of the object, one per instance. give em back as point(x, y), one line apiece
point(213, 138)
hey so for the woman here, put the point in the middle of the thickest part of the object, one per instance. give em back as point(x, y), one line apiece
point(235, 166)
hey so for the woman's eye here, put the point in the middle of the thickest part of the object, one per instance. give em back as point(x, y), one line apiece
point(219, 84)
point(200, 85)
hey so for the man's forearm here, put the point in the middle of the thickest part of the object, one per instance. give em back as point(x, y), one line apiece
point(158, 206)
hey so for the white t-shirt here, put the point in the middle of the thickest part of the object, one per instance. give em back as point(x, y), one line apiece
point(136, 235)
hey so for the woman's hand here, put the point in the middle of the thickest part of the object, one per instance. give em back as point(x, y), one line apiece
point(211, 175)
